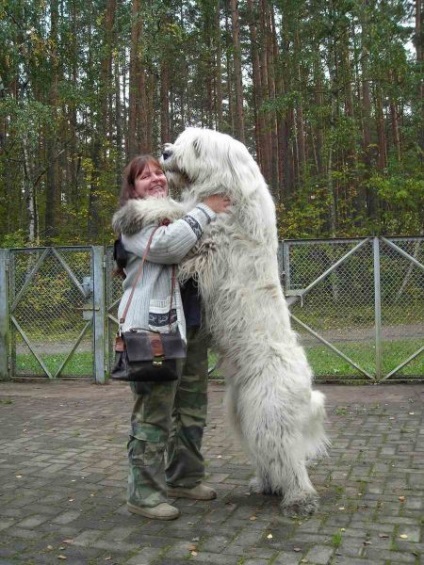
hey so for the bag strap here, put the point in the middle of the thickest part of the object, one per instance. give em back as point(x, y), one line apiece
point(138, 275)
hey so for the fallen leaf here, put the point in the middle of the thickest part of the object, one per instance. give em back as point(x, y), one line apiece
point(49, 547)
point(401, 498)
point(297, 549)
point(192, 547)
point(68, 541)
point(253, 518)
point(383, 535)
point(62, 557)
point(194, 553)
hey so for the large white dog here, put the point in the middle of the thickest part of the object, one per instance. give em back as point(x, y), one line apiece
point(269, 397)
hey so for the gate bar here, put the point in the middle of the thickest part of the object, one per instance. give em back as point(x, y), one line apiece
point(333, 267)
point(69, 271)
point(377, 303)
point(331, 346)
point(4, 315)
point(29, 278)
point(27, 341)
point(403, 253)
point(420, 350)
point(81, 335)
point(99, 301)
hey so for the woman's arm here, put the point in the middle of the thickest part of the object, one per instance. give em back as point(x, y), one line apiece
point(171, 243)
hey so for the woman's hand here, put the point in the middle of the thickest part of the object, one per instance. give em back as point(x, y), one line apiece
point(218, 203)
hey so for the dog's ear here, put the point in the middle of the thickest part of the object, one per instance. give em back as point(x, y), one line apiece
point(241, 167)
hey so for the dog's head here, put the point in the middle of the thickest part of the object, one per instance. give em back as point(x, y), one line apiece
point(203, 162)
point(210, 160)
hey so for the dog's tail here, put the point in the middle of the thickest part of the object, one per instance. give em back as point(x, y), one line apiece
point(316, 439)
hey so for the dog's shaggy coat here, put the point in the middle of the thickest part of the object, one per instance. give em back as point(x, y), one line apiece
point(268, 394)
point(269, 397)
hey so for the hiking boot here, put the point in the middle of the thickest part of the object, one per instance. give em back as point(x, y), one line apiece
point(199, 492)
point(162, 511)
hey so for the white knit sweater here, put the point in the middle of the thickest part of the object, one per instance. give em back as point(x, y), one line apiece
point(150, 305)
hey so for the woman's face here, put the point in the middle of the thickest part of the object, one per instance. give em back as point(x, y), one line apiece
point(151, 182)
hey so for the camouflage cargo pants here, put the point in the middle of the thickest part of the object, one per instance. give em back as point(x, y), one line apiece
point(166, 429)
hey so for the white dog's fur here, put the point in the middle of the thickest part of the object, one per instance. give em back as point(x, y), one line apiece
point(268, 394)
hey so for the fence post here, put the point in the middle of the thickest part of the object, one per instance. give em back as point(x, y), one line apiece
point(377, 304)
point(99, 307)
point(4, 315)
point(286, 266)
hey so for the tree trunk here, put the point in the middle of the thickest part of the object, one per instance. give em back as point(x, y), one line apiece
point(52, 210)
point(238, 83)
point(419, 46)
point(217, 70)
point(101, 133)
point(137, 105)
point(366, 109)
point(256, 86)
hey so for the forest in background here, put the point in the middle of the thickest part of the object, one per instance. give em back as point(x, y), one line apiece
point(327, 94)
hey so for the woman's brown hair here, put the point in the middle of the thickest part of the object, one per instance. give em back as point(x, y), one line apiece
point(134, 168)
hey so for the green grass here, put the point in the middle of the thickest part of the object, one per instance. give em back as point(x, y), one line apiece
point(324, 362)
point(331, 316)
point(80, 364)
point(336, 539)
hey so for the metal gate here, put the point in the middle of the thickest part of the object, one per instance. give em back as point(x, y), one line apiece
point(358, 305)
point(53, 315)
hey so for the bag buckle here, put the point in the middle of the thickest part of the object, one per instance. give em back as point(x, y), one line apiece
point(157, 362)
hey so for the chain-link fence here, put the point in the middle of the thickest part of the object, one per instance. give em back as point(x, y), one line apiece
point(357, 304)
point(51, 303)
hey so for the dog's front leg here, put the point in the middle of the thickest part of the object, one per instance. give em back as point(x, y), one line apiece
point(197, 262)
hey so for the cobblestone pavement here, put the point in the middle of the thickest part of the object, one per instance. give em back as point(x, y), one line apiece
point(63, 481)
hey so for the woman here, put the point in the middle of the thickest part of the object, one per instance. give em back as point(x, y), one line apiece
point(167, 420)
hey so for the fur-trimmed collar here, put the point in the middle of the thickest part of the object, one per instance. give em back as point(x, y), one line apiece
point(136, 214)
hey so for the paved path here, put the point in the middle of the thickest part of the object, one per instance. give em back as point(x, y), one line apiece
point(63, 479)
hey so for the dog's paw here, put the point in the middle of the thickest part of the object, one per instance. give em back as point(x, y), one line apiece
point(300, 506)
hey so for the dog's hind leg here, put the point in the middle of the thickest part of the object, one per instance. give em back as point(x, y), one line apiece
point(290, 479)
point(280, 463)
point(299, 496)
